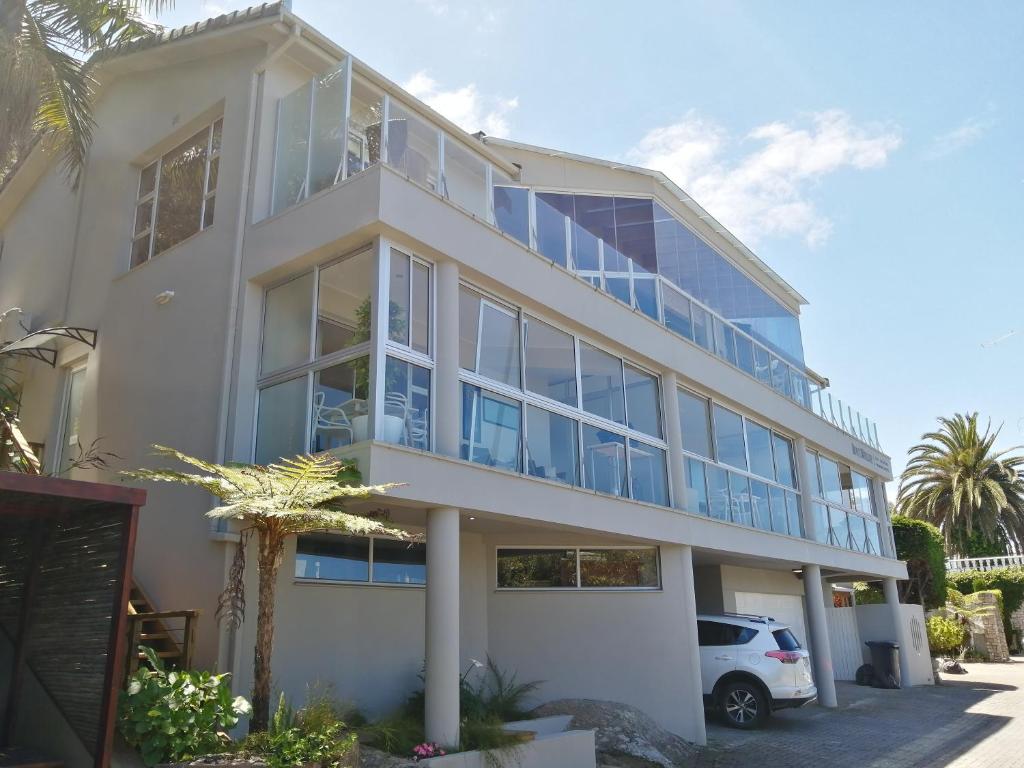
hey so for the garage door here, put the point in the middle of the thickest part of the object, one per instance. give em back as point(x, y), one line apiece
point(787, 609)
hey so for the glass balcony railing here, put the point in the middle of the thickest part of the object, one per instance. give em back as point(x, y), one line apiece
point(337, 125)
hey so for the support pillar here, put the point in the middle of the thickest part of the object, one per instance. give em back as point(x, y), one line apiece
point(674, 437)
point(695, 701)
point(446, 361)
point(442, 627)
point(892, 600)
point(821, 648)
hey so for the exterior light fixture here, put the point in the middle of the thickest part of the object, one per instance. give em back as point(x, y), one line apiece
point(164, 297)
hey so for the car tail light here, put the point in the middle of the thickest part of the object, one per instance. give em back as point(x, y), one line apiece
point(786, 657)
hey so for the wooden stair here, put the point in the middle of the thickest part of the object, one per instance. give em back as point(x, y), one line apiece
point(170, 634)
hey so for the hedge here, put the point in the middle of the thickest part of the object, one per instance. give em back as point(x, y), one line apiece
point(921, 545)
point(1009, 581)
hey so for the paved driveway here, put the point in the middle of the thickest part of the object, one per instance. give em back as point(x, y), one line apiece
point(970, 721)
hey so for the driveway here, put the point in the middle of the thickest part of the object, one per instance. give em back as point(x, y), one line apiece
point(970, 721)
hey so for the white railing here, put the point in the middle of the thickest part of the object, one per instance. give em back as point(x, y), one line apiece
point(984, 563)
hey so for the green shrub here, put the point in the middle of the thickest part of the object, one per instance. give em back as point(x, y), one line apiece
point(172, 716)
point(1009, 582)
point(921, 545)
point(945, 635)
point(867, 594)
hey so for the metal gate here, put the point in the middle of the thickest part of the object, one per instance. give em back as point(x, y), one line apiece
point(845, 641)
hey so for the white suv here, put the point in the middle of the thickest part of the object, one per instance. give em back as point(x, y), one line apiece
point(751, 665)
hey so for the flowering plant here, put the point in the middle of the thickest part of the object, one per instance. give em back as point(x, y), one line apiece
point(425, 750)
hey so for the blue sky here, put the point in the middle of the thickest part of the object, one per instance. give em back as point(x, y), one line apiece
point(871, 153)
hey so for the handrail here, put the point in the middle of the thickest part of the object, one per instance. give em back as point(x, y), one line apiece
point(956, 564)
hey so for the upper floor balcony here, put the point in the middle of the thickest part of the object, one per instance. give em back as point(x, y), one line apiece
point(633, 249)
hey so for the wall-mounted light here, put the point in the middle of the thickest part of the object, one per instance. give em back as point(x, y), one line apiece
point(798, 573)
point(164, 297)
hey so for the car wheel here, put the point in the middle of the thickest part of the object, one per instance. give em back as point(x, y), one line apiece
point(744, 705)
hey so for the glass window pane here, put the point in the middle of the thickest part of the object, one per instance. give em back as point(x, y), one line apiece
point(412, 146)
point(604, 461)
point(618, 568)
point(739, 497)
point(140, 250)
point(648, 474)
point(399, 287)
point(822, 531)
point(332, 557)
point(857, 532)
point(643, 401)
point(405, 417)
point(718, 492)
point(552, 446)
point(729, 438)
point(536, 568)
point(287, 314)
point(777, 497)
point(762, 365)
point(143, 216)
point(701, 326)
point(71, 444)
point(550, 362)
point(695, 424)
point(696, 498)
point(344, 307)
point(759, 505)
point(420, 332)
point(180, 198)
point(830, 483)
point(780, 377)
point(725, 341)
point(744, 354)
point(399, 562)
point(292, 148)
point(840, 527)
point(552, 211)
point(862, 494)
point(801, 389)
point(465, 178)
point(677, 311)
point(811, 465)
point(281, 423)
point(364, 122)
point(328, 134)
point(759, 447)
point(783, 449)
point(147, 180)
point(498, 345)
point(490, 428)
point(796, 527)
point(341, 405)
point(601, 380)
point(469, 327)
point(645, 293)
point(512, 212)
point(874, 545)
point(846, 484)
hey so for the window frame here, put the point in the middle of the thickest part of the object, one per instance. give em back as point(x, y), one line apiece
point(369, 566)
point(153, 197)
point(843, 507)
point(579, 586)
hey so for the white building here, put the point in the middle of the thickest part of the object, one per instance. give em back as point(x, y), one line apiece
point(595, 395)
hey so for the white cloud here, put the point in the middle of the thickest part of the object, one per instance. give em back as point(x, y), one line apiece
point(464, 106)
point(965, 134)
point(765, 190)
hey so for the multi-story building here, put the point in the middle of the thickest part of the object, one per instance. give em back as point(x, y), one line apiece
point(596, 397)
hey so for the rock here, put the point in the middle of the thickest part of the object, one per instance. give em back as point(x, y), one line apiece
point(375, 758)
point(226, 760)
point(626, 737)
point(952, 667)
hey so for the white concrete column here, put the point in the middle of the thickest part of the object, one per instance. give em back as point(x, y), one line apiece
point(442, 627)
point(892, 600)
point(695, 701)
point(446, 360)
point(674, 437)
point(807, 484)
point(821, 648)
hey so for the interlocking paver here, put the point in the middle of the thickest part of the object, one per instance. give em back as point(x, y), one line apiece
point(970, 721)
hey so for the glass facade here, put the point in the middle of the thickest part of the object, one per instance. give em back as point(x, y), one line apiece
point(578, 568)
point(845, 514)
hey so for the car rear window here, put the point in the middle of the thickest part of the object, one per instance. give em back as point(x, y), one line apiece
point(787, 640)
point(717, 633)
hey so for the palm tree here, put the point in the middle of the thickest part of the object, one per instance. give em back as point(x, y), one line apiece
point(955, 480)
point(305, 493)
point(46, 71)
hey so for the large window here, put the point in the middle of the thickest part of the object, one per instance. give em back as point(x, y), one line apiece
point(177, 194)
point(578, 568)
point(70, 447)
point(729, 446)
point(359, 559)
point(844, 514)
point(409, 309)
point(556, 407)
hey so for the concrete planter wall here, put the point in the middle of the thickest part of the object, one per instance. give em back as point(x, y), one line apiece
point(552, 746)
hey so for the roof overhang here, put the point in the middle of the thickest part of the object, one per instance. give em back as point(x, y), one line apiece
point(31, 345)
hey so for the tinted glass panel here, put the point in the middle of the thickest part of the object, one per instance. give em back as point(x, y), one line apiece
point(777, 496)
point(364, 137)
point(552, 446)
point(759, 447)
point(840, 527)
point(412, 146)
point(786, 640)
point(643, 401)
point(744, 354)
point(288, 312)
point(332, 557)
point(601, 380)
point(292, 148)
point(180, 197)
point(695, 424)
point(619, 568)
point(759, 505)
point(490, 428)
point(648, 473)
point(512, 212)
point(465, 178)
point(821, 527)
point(498, 345)
point(552, 210)
point(729, 438)
point(536, 568)
point(469, 327)
point(701, 326)
point(696, 500)
point(718, 492)
point(740, 502)
point(400, 297)
point(830, 482)
point(796, 527)
point(783, 450)
point(420, 331)
point(550, 362)
point(344, 309)
point(874, 546)
point(405, 417)
point(677, 312)
point(325, 162)
point(604, 461)
point(341, 405)
point(399, 562)
point(281, 423)
point(762, 365)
